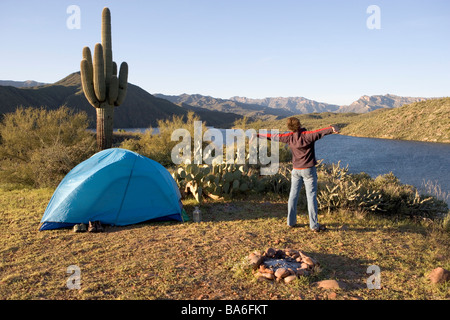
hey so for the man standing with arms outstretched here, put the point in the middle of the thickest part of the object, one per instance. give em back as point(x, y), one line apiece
point(301, 142)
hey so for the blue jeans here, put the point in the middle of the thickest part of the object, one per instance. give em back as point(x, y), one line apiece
point(309, 178)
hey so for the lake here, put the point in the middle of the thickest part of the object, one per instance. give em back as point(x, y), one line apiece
point(412, 162)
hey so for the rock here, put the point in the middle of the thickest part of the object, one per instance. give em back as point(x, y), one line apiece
point(309, 261)
point(281, 273)
point(292, 253)
point(289, 279)
point(264, 276)
point(254, 260)
point(264, 269)
point(439, 275)
point(332, 296)
point(291, 272)
point(279, 254)
point(270, 253)
point(269, 276)
point(295, 255)
point(330, 284)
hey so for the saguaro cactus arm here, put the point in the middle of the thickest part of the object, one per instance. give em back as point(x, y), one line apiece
point(123, 84)
point(99, 73)
point(107, 45)
point(87, 78)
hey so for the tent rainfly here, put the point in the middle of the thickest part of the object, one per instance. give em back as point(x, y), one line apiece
point(116, 187)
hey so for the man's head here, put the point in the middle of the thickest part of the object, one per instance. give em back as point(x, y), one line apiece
point(293, 124)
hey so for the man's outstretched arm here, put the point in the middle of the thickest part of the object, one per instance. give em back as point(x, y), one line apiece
point(315, 135)
point(282, 137)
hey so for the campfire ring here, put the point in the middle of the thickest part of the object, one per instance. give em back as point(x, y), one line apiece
point(281, 265)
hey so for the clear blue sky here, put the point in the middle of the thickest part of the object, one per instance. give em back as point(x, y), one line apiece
point(318, 49)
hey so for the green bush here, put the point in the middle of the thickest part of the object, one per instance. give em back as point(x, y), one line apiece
point(158, 146)
point(39, 147)
point(446, 222)
point(339, 189)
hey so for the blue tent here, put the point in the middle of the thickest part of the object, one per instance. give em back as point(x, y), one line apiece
point(116, 187)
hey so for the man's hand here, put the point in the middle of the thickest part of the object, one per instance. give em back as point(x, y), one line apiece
point(335, 129)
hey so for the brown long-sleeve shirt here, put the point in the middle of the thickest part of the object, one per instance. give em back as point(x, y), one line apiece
point(301, 143)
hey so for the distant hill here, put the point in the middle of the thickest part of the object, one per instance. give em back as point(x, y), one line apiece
point(139, 110)
point(21, 84)
point(277, 107)
point(300, 105)
point(295, 105)
point(227, 105)
point(370, 103)
point(422, 121)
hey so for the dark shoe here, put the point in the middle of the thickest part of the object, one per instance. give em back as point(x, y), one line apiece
point(320, 229)
point(98, 226)
point(95, 226)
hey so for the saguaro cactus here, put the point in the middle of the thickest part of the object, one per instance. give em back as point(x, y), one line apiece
point(102, 87)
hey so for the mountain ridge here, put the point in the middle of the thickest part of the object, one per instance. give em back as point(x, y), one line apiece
point(290, 106)
point(367, 104)
point(139, 110)
point(293, 104)
point(21, 84)
point(224, 105)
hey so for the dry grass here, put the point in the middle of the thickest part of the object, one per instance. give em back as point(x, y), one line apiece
point(203, 261)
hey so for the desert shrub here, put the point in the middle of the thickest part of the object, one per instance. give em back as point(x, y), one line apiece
point(39, 147)
point(338, 189)
point(284, 152)
point(433, 188)
point(158, 145)
point(446, 222)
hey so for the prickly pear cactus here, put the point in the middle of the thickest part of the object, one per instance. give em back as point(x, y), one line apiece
point(216, 182)
point(103, 88)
